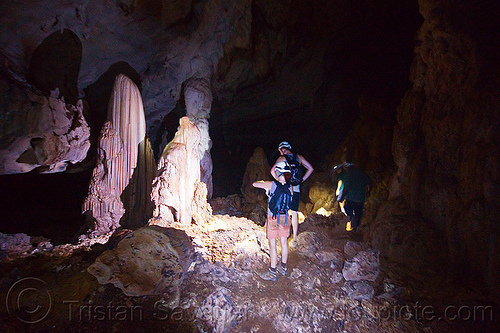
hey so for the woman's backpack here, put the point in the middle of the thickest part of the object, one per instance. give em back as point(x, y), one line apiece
point(280, 200)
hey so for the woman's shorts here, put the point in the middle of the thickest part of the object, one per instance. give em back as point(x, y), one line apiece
point(274, 231)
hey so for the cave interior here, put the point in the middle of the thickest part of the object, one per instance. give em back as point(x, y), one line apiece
point(408, 90)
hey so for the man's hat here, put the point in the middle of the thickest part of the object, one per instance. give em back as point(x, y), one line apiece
point(345, 165)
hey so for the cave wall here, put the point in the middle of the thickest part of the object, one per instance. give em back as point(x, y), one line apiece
point(446, 141)
point(435, 156)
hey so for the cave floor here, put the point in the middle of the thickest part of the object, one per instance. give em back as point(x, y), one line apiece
point(61, 296)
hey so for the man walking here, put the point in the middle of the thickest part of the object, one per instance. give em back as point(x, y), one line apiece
point(356, 183)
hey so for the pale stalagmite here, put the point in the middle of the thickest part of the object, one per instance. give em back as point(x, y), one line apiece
point(175, 188)
point(121, 181)
point(198, 97)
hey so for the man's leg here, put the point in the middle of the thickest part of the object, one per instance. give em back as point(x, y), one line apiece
point(294, 208)
point(284, 249)
point(349, 211)
point(341, 205)
point(358, 213)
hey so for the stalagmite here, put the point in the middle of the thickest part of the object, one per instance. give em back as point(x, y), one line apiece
point(198, 98)
point(178, 195)
point(121, 181)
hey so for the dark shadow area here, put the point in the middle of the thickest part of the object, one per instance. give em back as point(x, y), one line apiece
point(55, 63)
point(169, 125)
point(368, 52)
point(47, 205)
point(136, 197)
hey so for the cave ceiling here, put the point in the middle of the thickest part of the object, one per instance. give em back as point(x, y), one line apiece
point(285, 64)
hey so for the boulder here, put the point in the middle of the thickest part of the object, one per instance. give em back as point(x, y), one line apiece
point(219, 311)
point(364, 266)
point(145, 262)
point(15, 244)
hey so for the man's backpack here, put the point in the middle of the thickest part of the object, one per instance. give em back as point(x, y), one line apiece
point(295, 168)
point(279, 201)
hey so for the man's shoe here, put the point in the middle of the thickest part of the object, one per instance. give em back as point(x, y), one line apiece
point(269, 275)
point(348, 226)
point(282, 270)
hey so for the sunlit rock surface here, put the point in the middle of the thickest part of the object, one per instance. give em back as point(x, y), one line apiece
point(121, 181)
point(40, 132)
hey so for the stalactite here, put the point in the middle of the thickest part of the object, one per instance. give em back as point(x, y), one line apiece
point(121, 181)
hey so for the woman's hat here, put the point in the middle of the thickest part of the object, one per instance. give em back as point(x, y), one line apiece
point(284, 144)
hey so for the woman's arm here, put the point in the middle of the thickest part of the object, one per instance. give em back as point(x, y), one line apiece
point(306, 165)
point(273, 169)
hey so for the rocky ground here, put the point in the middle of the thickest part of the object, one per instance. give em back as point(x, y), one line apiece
point(335, 283)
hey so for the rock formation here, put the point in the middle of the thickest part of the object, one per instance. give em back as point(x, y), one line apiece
point(446, 142)
point(198, 98)
point(177, 194)
point(145, 262)
point(434, 206)
point(39, 132)
point(317, 72)
point(254, 199)
point(257, 169)
point(121, 181)
point(322, 197)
